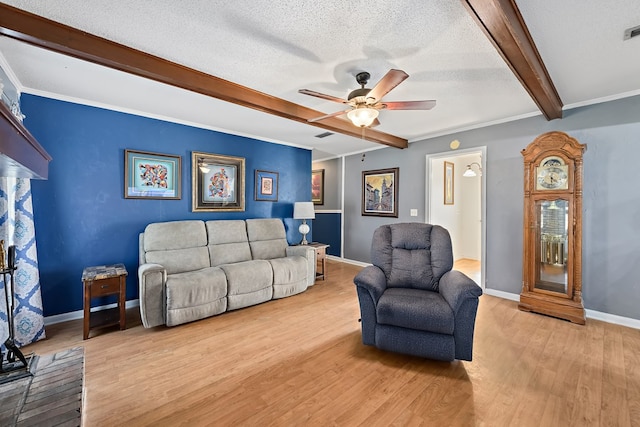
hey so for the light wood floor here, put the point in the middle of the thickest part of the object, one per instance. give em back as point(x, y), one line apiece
point(300, 361)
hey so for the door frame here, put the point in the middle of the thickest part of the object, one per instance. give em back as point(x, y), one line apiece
point(482, 151)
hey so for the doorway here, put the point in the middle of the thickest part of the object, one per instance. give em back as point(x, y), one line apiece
point(457, 201)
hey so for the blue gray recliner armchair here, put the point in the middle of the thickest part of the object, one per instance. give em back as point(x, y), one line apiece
point(411, 301)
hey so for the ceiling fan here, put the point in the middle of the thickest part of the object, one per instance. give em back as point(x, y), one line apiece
point(365, 104)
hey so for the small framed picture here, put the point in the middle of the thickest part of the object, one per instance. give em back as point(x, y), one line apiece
point(266, 186)
point(151, 175)
point(217, 182)
point(448, 183)
point(317, 187)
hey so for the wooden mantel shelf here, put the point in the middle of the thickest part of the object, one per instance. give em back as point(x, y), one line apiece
point(21, 156)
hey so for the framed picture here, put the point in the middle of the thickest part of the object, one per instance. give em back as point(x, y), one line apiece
point(380, 192)
point(448, 183)
point(217, 182)
point(317, 187)
point(151, 175)
point(266, 186)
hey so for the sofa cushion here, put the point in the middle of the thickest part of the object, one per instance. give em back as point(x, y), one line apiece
point(267, 238)
point(415, 309)
point(180, 260)
point(248, 283)
point(195, 295)
point(228, 242)
point(169, 235)
point(178, 246)
point(248, 276)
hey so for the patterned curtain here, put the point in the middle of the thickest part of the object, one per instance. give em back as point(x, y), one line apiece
point(17, 228)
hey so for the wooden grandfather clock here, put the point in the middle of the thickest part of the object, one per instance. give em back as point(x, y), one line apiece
point(552, 256)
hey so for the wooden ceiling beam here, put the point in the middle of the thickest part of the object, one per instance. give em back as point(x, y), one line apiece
point(51, 35)
point(503, 24)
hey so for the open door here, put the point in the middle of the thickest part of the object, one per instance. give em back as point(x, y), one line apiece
point(456, 200)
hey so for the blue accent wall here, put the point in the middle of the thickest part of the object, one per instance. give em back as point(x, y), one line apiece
point(327, 230)
point(81, 215)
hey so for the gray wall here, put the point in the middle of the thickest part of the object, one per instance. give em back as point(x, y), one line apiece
point(611, 200)
point(332, 183)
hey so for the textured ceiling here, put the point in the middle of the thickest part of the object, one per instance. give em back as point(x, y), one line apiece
point(280, 47)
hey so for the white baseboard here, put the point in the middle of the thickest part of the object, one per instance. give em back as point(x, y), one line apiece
point(74, 315)
point(591, 314)
point(612, 318)
point(348, 261)
point(502, 294)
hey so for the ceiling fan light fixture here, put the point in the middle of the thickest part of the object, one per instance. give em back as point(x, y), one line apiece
point(363, 116)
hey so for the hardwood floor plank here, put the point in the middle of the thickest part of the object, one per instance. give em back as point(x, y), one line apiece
point(300, 361)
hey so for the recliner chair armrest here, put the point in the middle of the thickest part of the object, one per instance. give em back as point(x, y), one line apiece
point(455, 287)
point(372, 278)
point(151, 286)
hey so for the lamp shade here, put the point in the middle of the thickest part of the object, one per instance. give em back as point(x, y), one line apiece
point(469, 172)
point(363, 116)
point(303, 210)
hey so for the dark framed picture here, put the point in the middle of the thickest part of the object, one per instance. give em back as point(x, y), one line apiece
point(266, 186)
point(448, 183)
point(380, 192)
point(217, 182)
point(151, 175)
point(317, 187)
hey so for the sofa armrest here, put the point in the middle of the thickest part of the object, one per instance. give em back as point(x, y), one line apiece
point(372, 279)
point(308, 253)
point(455, 287)
point(151, 282)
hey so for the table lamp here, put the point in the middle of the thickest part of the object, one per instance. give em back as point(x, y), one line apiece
point(303, 211)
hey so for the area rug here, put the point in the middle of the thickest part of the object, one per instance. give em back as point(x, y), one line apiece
point(52, 396)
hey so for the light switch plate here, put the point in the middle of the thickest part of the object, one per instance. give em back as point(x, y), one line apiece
point(414, 212)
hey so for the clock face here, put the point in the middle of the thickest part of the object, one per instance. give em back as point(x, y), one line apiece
point(552, 174)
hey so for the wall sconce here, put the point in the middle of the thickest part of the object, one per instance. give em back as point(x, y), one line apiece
point(470, 172)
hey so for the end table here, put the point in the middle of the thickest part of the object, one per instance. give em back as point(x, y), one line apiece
point(321, 258)
point(100, 281)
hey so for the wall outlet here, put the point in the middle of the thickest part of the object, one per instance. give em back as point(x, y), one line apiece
point(414, 212)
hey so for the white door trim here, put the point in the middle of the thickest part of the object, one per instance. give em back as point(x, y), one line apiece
point(482, 150)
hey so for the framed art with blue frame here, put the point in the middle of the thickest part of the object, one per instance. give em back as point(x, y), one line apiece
point(266, 186)
point(217, 182)
point(152, 175)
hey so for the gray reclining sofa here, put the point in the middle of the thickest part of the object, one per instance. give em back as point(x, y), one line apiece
point(193, 269)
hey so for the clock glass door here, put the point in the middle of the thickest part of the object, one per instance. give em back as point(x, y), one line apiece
point(552, 248)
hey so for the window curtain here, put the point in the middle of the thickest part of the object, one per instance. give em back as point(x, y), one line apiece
point(17, 228)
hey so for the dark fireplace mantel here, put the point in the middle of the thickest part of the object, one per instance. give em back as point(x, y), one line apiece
point(21, 156)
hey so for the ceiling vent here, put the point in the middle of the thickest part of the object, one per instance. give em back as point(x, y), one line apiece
point(631, 32)
point(324, 135)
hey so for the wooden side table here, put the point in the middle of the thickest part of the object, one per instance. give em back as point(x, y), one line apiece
point(321, 259)
point(101, 281)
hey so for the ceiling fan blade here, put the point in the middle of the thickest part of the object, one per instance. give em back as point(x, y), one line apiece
point(375, 123)
point(337, 113)
point(409, 105)
point(390, 80)
point(322, 95)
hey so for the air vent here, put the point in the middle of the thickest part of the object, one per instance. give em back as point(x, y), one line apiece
point(631, 32)
point(324, 135)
